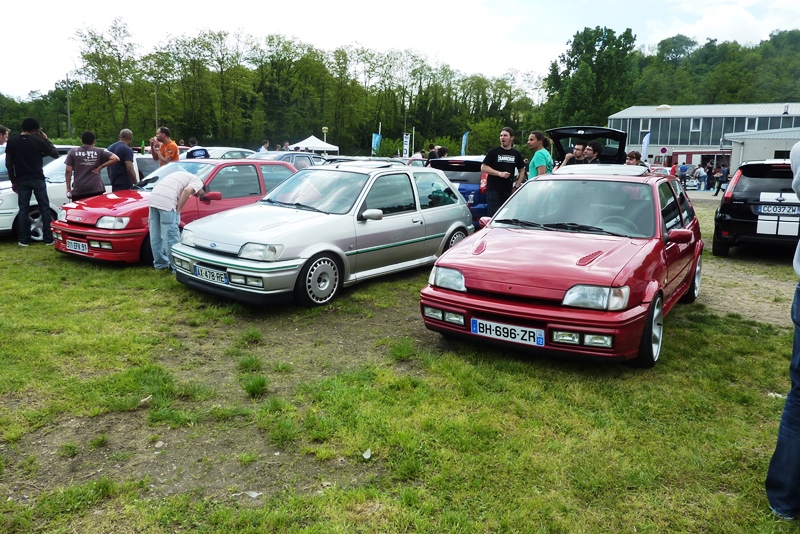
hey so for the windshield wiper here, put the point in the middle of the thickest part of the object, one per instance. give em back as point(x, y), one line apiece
point(576, 227)
point(522, 222)
point(294, 205)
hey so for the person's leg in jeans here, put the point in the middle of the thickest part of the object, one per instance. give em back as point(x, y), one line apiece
point(24, 192)
point(157, 239)
point(40, 190)
point(170, 224)
point(493, 202)
point(783, 475)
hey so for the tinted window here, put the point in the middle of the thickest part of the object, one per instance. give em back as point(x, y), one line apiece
point(391, 194)
point(274, 174)
point(459, 171)
point(236, 181)
point(763, 177)
point(670, 210)
point(433, 191)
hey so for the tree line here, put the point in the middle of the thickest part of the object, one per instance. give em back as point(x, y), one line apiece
point(236, 89)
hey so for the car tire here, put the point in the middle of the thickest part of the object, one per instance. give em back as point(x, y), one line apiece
point(146, 252)
point(37, 228)
point(652, 335)
point(457, 236)
point(694, 288)
point(319, 281)
point(720, 249)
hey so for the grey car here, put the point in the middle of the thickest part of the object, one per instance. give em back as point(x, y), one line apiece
point(324, 228)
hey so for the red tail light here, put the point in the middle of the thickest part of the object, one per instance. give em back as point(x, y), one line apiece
point(727, 198)
point(484, 182)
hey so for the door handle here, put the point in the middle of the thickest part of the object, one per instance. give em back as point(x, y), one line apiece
point(416, 220)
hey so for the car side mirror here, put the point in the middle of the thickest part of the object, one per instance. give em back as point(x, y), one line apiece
point(680, 235)
point(483, 222)
point(371, 215)
point(212, 195)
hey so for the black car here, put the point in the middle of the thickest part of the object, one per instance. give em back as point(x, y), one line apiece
point(759, 206)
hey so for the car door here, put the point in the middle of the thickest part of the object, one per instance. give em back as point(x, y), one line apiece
point(678, 255)
point(437, 202)
point(239, 184)
point(399, 236)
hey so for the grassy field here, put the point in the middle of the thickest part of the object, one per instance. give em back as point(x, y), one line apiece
point(129, 403)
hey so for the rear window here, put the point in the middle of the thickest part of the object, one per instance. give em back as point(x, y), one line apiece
point(459, 171)
point(764, 177)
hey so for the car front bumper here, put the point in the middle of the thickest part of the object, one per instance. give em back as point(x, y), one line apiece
point(262, 282)
point(624, 327)
point(98, 244)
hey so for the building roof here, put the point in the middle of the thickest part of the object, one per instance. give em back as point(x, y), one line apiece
point(709, 110)
point(786, 133)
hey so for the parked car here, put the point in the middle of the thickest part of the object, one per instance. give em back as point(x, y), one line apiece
point(465, 173)
point(758, 206)
point(333, 160)
point(324, 228)
point(574, 264)
point(300, 160)
point(114, 226)
point(62, 150)
point(417, 161)
point(224, 152)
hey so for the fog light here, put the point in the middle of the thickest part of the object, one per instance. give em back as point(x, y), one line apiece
point(237, 279)
point(255, 282)
point(573, 338)
point(57, 235)
point(433, 313)
point(595, 340)
point(105, 245)
point(455, 318)
point(94, 244)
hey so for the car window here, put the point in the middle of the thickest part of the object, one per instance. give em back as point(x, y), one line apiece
point(234, 154)
point(301, 162)
point(764, 177)
point(687, 212)
point(146, 165)
point(670, 210)
point(274, 174)
point(433, 191)
point(391, 193)
point(459, 171)
point(236, 181)
point(199, 168)
point(317, 160)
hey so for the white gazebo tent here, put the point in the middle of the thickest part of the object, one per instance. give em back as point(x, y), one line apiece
point(314, 145)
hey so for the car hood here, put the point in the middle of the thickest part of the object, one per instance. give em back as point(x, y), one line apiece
point(118, 204)
point(260, 223)
point(608, 137)
point(540, 264)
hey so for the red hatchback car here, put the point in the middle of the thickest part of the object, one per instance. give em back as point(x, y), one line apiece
point(584, 262)
point(114, 226)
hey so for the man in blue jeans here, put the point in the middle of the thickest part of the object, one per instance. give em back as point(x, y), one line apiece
point(167, 199)
point(24, 155)
point(783, 476)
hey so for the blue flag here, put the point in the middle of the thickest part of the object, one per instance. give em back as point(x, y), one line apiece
point(376, 142)
point(464, 143)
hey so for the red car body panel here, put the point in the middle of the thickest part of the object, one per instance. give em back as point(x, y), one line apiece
point(126, 245)
point(519, 276)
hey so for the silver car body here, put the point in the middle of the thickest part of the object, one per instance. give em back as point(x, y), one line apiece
point(350, 240)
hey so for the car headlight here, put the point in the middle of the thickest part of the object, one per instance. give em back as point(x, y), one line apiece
point(113, 223)
point(597, 297)
point(447, 278)
point(62, 215)
point(259, 252)
point(187, 238)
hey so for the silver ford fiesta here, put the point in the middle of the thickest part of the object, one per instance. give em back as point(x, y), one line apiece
point(321, 229)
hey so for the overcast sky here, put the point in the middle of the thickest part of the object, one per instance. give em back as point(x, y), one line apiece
point(487, 37)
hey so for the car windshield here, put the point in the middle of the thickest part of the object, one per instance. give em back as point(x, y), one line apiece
point(201, 169)
point(331, 191)
point(586, 206)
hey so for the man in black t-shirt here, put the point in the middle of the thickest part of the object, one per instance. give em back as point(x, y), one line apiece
point(500, 164)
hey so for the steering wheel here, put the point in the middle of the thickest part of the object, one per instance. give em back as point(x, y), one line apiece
point(622, 222)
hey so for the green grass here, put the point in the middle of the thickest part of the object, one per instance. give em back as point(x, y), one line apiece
point(464, 437)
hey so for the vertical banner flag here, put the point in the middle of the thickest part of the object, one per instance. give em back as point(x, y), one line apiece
point(464, 143)
point(645, 145)
point(406, 141)
point(376, 143)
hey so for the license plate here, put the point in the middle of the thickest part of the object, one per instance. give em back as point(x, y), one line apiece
point(77, 246)
point(777, 209)
point(211, 275)
point(507, 332)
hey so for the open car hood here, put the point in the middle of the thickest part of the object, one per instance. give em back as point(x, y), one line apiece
point(613, 141)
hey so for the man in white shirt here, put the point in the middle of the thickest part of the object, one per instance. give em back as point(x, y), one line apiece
point(167, 199)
